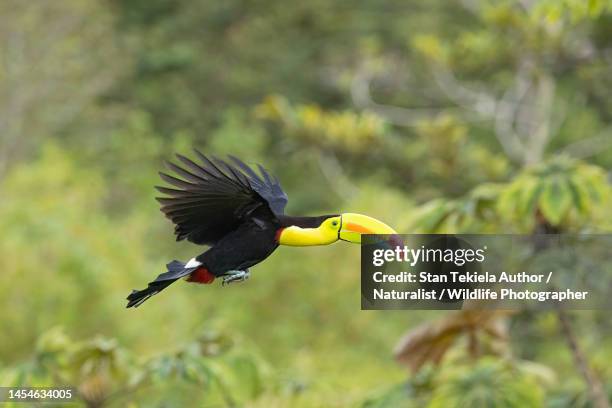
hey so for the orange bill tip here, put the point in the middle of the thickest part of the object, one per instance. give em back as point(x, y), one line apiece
point(351, 226)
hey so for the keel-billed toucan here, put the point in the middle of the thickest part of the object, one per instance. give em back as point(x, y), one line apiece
point(239, 213)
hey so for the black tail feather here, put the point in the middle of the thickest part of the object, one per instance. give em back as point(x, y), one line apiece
point(176, 270)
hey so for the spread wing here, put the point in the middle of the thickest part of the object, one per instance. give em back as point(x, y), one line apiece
point(212, 198)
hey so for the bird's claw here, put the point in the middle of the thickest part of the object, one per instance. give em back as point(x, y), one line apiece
point(235, 276)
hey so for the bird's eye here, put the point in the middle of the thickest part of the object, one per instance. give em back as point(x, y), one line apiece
point(334, 223)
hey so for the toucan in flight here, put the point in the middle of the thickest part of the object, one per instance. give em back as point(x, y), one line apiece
point(240, 213)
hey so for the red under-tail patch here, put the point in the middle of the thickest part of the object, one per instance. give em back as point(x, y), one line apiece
point(201, 275)
point(278, 234)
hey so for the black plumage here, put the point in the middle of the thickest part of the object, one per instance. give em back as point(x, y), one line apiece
point(214, 197)
point(226, 205)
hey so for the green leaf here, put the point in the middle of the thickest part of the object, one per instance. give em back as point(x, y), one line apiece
point(432, 215)
point(530, 192)
point(580, 197)
point(484, 197)
point(555, 201)
point(508, 200)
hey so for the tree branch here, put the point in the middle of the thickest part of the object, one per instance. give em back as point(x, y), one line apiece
point(396, 115)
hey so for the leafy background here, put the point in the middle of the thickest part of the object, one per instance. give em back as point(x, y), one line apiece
point(468, 116)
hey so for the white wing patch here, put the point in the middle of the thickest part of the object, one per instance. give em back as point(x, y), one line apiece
point(192, 263)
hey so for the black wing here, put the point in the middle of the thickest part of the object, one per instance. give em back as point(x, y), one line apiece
point(213, 197)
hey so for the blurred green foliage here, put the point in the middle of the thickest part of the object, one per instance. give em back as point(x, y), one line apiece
point(102, 372)
point(468, 116)
point(488, 383)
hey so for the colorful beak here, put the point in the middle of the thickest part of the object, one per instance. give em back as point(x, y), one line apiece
point(355, 225)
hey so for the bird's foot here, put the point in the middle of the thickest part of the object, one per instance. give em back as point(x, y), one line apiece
point(235, 276)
